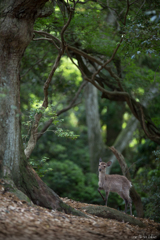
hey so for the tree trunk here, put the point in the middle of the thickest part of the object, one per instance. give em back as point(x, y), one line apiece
point(16, 30)
point(15, 36)
point(114, 123)
point(123, 139)
point(96, 146)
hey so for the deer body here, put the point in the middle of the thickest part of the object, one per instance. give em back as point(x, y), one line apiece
point(114, 183)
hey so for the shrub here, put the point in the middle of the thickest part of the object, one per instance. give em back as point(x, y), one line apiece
point(152, 202)
point(68, 180)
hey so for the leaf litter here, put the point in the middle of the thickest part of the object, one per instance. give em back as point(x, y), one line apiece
point(21, 221)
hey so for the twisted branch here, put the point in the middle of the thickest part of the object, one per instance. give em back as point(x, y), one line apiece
point(33, 138)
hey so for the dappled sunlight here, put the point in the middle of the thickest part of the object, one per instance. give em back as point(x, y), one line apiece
point(73, 119)
point(69, 71)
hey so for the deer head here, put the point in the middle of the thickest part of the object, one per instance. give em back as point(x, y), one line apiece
point(102, 165)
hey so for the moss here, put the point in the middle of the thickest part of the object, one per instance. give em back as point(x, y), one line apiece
point(106, 212)
point(11, 187)
point(27, 180)
point(21, 196)
point(69, 210)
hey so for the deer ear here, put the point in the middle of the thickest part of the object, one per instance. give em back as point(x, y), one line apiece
point(109, 163)
point(100, 160)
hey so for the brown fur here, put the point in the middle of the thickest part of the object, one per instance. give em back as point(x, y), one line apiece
point(114, 183)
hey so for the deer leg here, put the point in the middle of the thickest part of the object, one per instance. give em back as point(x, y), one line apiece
point(101, 194)
point(130, 205)
point(126, 205)
point(128, 201)
point(107, 194)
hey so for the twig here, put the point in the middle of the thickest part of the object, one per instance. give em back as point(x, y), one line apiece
point(61, 52)
point(33, 138)
point(139, 9)
point(82, 53)
point(47, 34)
point(113, 94)
point(118, 15)
point(71, 105)
point(89, 57)
point(143, 123)
point(133, 2)
point(40, 60)
point(125, 17)
point(108, 61)
point(115, 51)
point(64, 29)
point(46, 85)
point(48, 39)
point(83, 74)
point(121, 94)
point(73, 100)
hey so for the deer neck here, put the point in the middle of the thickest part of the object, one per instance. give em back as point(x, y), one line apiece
point(101, 178)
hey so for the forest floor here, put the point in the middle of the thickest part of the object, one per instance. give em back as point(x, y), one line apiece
point(21, 221)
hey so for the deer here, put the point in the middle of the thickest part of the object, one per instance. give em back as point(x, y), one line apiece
point(114, 183)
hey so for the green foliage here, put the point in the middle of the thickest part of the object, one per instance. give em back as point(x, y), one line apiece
point(69, 72)
point(68, 180)
point(152, 202)
point(141, 79)
point(38, 165)
point(96, 36)
point(146, 175)
point(63, 149)
point(154, 111)
point(66, 167)
point(61, 133)
point(142, 31)
point(47, 113)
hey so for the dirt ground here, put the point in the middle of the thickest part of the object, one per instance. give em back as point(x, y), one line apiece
point(20, 221)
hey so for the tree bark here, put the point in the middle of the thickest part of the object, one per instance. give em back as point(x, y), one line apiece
point(123, 139)
point(117, 93)
point(16, 31)
point(96, 146)
point(125, 136)
point(106, 212)
point(15, 36)
point(114, 123)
